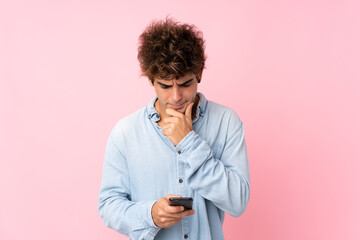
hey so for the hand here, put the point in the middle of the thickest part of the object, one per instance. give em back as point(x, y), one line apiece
point(178, 125)
point(164, 215)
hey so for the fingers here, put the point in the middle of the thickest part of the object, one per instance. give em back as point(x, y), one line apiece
point(176, 212)
point(188, 110)
point(177, 216)
point(173, 112)
point(174, 119)
point(171, 219)
point(180, 214)
point(165, 216)
point(174, 209)
point(187, 213)
point(171, 119)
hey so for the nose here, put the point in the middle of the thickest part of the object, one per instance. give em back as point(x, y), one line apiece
point(176, 94)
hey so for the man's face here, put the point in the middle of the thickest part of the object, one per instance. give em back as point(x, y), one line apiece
point(175, 93)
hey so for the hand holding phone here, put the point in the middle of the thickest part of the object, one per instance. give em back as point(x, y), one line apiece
point(186, 202)
point(165, 216)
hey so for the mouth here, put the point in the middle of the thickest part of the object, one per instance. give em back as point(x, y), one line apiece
point(177, 107)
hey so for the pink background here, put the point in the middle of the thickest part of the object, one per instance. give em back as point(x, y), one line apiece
point(290, 69)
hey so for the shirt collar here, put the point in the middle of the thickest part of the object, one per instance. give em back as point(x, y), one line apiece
point(200, 110)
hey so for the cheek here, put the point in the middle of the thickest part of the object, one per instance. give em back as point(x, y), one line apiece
point(191, 94)
point(162, 95)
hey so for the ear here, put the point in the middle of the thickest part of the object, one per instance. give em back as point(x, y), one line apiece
point(151, 82)
point(198, 77)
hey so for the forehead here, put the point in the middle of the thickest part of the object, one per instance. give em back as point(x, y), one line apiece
point(180, 80)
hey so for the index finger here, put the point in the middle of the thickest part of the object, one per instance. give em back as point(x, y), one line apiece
point(174, 209)
point(173, 112)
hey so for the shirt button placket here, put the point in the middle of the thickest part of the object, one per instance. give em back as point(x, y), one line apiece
point(181, 173)
point(185, 222)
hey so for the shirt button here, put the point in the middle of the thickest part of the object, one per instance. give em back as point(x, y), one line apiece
point(180, 180)
point(186, 236)
point(179, 152)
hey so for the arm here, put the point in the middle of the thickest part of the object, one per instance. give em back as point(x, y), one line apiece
point(225, 181)
point(117, 211)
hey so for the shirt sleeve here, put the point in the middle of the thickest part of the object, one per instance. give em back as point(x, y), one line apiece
point(225, 181)
point(117, 211)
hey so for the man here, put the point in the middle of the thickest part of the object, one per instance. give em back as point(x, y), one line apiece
point(180, 144)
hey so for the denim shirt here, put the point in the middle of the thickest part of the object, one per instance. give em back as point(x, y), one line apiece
point(142, 165)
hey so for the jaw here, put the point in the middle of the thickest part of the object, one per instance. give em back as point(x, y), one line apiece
point(161, 107)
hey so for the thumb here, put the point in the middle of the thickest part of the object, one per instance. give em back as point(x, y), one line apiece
point(188, 112)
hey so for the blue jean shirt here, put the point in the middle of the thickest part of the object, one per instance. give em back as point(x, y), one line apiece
point(142, 165)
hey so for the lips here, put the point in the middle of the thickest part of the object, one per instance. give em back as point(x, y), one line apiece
point(177, 107)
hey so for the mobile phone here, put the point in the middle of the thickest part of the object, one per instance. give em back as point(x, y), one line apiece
point(187, 202)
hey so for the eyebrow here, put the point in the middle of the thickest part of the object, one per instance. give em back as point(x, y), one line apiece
point(181, 85)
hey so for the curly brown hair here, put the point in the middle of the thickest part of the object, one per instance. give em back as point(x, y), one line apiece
point(169, 50)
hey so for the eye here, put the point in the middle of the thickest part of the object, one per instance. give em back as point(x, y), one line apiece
point(164, 86)
point(186, 84)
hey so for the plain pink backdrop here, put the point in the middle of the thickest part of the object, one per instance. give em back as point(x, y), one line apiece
point(290, 69)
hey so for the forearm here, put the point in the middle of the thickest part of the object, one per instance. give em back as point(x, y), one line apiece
point(115, 206)
point(132, 219)
point(224, 182)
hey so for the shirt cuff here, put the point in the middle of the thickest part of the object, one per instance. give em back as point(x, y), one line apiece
point(148, 218)
point(188, 143)
point(194, 149)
